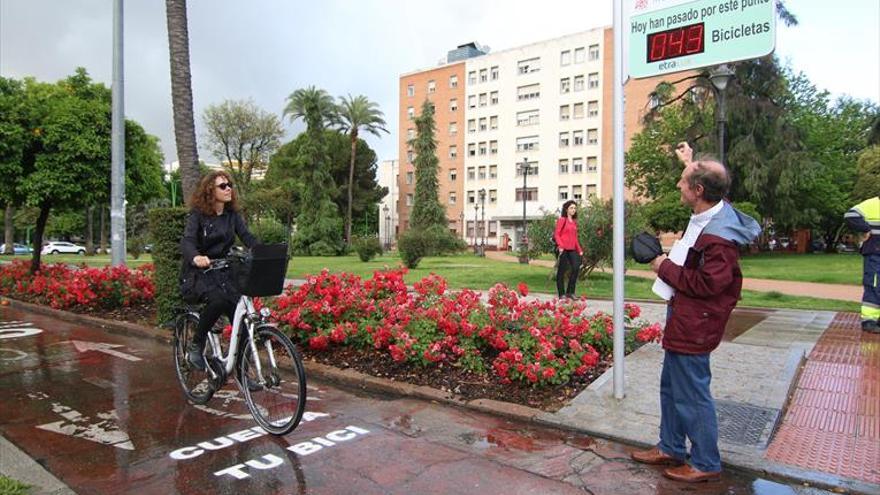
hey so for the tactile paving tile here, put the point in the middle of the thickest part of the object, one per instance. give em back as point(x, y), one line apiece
point(833, 420)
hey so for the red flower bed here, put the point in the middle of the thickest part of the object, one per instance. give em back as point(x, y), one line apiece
point(63, 286)
point(527, 341)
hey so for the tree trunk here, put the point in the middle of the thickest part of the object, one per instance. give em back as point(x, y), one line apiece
point(103, 241)
point(181, 96)
point(90, 230)
point(10, 229)
point(350, 187)
point(38, 236)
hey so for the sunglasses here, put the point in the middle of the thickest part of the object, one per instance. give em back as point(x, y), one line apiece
point(224, 186)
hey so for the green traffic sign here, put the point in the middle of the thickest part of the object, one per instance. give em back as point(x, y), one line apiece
point(700, 34)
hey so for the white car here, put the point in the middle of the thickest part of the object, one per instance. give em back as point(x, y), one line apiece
point(63, 247)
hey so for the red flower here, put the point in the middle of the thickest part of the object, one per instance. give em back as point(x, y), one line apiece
point(318, 343)
point(523, 289)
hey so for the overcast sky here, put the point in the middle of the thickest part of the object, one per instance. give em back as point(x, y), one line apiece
point(266, 49)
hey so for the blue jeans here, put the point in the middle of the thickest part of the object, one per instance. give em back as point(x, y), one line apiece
point(688, 410)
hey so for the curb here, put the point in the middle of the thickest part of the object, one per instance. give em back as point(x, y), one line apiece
point(351, 378)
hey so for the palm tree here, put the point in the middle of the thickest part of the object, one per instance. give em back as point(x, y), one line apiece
point(312, 105)
point(181, 95)
point(356, 114)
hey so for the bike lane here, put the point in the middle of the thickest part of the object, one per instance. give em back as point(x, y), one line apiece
point(104, 413)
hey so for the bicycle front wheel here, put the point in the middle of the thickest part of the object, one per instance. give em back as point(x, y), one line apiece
point(273, 380)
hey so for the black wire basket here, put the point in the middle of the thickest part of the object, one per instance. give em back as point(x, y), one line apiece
point(261, 272)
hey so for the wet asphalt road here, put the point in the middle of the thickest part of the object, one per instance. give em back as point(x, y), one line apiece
point(103, 412)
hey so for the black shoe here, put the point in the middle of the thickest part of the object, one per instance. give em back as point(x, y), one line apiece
point(870, 326)
point(195, 356)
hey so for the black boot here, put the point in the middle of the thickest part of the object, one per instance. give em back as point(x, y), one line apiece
point(195, 355)
point(870, 326)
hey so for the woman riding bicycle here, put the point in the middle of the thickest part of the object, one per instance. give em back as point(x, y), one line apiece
point(211, 227)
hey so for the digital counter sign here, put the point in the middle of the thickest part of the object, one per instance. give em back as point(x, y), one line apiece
point(674, 43)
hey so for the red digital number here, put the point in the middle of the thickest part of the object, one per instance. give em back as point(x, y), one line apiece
point(694, 43)
point(676, 43)
point(658, 47)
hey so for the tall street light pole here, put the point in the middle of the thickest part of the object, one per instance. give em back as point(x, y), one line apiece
point(117, 146)
point(483, 223)
point(476, 212)
point(524, 246)
point(720, 76)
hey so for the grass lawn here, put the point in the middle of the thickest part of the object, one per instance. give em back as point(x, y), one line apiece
point(9, 486)
point(75, 259)
point(468, 271)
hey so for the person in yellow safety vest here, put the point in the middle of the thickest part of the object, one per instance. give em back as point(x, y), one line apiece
point(865, 217)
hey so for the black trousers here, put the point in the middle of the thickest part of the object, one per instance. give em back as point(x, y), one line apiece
point(569, 261)
point(217, 303)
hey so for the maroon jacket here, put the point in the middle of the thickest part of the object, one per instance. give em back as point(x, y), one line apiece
point(707, 288)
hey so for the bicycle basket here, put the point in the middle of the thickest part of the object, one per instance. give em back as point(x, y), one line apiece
point(261, 273)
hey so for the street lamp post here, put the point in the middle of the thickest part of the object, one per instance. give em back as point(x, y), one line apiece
point(483, 223)
point(720, 76)
point(523, 241)
point(387, 226)
point(463, 227)
point(476, 212)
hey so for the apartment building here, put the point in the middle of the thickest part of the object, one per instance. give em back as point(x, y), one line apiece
point(544, 108)
point(387, 175)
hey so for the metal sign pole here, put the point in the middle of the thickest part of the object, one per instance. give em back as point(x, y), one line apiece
point(618, 199)
point(117, 173)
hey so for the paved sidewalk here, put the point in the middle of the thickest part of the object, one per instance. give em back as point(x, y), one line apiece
point(807, 289)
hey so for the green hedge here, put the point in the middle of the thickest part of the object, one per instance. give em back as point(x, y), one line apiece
point(166, 230)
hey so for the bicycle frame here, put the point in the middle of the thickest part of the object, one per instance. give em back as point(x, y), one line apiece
point(244, 312)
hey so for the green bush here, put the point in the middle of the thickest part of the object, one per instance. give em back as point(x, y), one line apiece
point(415, 244)
point(367, 247)
point(270, 231)
point(166, 230)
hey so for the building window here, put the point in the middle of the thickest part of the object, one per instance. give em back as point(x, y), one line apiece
point(592, 136)
point(481, 173)
point(453, 81)
point(453, 175)
point(528, 143)
point(594, 52)
point(577, 138)
point(576, 193)
point(591, 190)
point(409, 200)
point(410, 133)
point(493, 147)
point(593, 80)
point(565, 58)
point(453, 105)
point(471, 197)
point(529, 66)
point(472, 149)
point(472, 173)
point(483, 99)
point(493, 229)
point(563, 166)
point(483, 148)
point(579, 55)
point(432, 86)
point(484, 75)
point(452, 198)
point(493, 73)
point(453, 152)
point(531, 194)
point(409, 156)
point(493, 171)
point(533, 169)
point(493, 195)
point(472, 77)
point(577, 165)
point(472, 125)
point(578, 111)
point(578, 83)
point(410, 113)
point(483, 123)
point(564, 112)
point(472, 101)
point(593, 109)
point(528, 117)
point(470, 227)
point(453, 128)
point(493, 98)
point(410, 90)
point(592, 163)
point(409, 178)
point(565, 85)
point(563, 139)
point(563, 193)
point(529, 92)
point(493, 122)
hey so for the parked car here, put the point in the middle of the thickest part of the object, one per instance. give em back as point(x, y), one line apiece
point(17, 248)
point(57, 247)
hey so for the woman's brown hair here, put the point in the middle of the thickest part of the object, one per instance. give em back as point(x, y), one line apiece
point(203, 197)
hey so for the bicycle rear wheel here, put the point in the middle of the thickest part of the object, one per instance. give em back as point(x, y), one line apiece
point(273, 380)
point(196, 384)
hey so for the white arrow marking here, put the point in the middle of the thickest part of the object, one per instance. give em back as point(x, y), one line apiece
point(105, 431)
point(103, 347)
point(13, 332)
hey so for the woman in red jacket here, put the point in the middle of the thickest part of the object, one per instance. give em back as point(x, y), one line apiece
point(570, 252)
